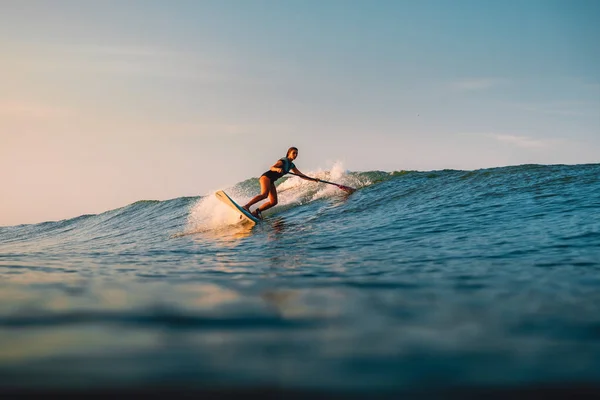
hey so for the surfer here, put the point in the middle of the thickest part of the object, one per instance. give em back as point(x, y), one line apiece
point(267, 182)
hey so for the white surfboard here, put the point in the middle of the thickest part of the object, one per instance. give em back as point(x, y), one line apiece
point(245, 215)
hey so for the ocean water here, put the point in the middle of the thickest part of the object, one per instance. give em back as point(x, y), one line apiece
point(418, 281)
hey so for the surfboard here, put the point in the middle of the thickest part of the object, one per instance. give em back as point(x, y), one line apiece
point(245, 215)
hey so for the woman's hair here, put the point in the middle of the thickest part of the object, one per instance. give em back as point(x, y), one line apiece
point(290, 150)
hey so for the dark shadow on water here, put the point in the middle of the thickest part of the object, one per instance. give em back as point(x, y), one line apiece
point(279, 226)
point(170, 391)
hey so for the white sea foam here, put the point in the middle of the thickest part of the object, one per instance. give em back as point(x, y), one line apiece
point(211, 214)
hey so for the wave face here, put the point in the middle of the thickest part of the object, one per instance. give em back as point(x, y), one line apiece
point(487, 278)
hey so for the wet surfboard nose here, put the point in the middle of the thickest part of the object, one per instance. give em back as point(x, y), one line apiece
point(244, 214)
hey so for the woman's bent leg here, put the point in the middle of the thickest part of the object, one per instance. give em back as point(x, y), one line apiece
point(272, 198)
point(265, 185)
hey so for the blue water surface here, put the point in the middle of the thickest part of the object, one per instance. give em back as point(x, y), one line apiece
point(486, 278)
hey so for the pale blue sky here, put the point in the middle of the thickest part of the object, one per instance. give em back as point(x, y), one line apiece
point(104, 103)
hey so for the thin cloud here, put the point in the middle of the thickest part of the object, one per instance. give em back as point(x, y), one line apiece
point(96, 50)
point(122, 51)
point(209, 129)
point(524, 141)
point(21, 109)
point(573, 108)
point(129, 60)
point(593, 86)
point(521, 141)
point(475, 84)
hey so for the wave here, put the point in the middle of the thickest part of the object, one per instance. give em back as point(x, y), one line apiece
point(411, 190)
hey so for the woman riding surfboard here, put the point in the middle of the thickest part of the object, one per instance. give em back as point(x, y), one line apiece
point(267, 182)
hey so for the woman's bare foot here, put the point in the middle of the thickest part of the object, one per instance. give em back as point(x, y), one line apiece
point(257, 214)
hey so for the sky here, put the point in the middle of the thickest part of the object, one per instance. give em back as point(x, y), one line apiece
point(104, 103)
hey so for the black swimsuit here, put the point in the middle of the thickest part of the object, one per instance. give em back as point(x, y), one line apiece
point(287, 166)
